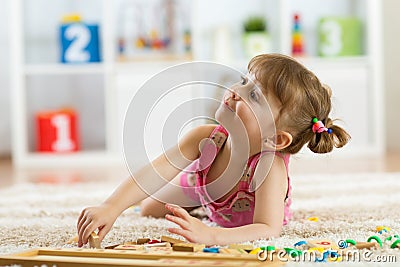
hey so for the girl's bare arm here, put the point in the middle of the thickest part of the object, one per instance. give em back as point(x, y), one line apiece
point(128, 193)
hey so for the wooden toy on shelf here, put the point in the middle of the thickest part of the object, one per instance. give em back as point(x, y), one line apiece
point(297, 37)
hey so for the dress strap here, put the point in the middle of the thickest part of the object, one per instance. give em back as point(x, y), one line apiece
point(256, 159)
point(211, 147)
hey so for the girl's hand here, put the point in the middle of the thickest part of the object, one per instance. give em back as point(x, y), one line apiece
point(191, 228)
point(92, 218)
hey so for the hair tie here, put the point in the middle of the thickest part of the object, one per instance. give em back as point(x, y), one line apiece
point(319, 127)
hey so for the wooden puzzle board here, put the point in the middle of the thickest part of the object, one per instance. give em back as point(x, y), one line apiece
point(107, 257)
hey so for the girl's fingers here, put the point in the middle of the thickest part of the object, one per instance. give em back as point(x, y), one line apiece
point(179, 221)
point(178, 211)
point(81, 221)
point(185, 233)
point(81, 232)
point(88, 231)
point(103, 231)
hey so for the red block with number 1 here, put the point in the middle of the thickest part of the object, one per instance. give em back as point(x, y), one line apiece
point(57, 131)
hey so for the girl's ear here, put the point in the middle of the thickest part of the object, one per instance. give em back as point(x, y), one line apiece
point(279, 141)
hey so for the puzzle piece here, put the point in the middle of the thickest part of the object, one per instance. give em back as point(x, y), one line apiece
point(73, 240)
point(141, 241)
point(323, 243)
point(94, 241)
point(112, 246)
point(171, 240)
point(367, 245)
point(188, 247)
point(248, 247)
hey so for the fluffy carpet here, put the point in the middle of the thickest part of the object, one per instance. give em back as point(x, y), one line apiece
point(349, 206)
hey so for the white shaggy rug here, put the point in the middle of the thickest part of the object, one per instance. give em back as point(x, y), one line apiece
point(349, 206)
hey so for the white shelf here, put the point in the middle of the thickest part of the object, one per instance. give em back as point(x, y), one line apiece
point(64, 69)
point(119, 79)
point(345, 62)
point(76, 159)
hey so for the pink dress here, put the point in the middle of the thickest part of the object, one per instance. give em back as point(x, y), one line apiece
point(238, 208)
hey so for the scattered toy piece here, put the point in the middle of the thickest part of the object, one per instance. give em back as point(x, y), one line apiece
point(94, 241)
point(389, 238)
point(141, 241)
point(367, 245)
point(323, 243)
point(300, 243)
point(171, 240)
point(313, 219)
point(112, 246)
point(382, 228)
point(153, 241)
point(73, 240)
point(396, 244)
point(188, 247)
point(211, 250)
point(377, 239)
point(247, 247)
point(255, 251)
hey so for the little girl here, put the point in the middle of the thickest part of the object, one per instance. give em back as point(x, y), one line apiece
point(249, 148)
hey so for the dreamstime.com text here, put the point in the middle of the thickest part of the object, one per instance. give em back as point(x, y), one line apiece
point(328, 255)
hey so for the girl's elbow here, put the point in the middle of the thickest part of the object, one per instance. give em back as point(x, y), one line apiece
point(275, 233)
point(272, 231)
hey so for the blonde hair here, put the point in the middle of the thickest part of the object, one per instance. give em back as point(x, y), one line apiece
point(302, 98)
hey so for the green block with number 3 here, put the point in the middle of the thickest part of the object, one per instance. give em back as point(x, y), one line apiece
point(339, 36)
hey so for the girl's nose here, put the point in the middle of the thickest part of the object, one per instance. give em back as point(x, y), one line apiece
point(234, 95)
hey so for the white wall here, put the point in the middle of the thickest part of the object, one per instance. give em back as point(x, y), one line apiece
point(4, 81)
point(392, 77)
point(391, 72)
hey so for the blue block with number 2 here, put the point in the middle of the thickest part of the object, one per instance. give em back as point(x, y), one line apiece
point(79, 43)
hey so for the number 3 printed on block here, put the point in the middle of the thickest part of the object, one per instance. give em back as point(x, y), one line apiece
point(332, 45)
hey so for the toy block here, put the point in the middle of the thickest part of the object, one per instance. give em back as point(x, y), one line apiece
point(188, 247)
point(112, 246)
point(323, 243)
point(396, 244)
point(130, 247)
point(72, 48)
point(94, 241)
point(367, 245)
point(73, 240)
point(141, 241)
point(161, 244)
point(248, 247)
point(171, 240)
point(153, 241)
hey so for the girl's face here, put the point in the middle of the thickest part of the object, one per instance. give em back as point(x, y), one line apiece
point(244, 103)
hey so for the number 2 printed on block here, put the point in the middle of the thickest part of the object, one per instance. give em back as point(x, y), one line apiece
point(79, 43)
